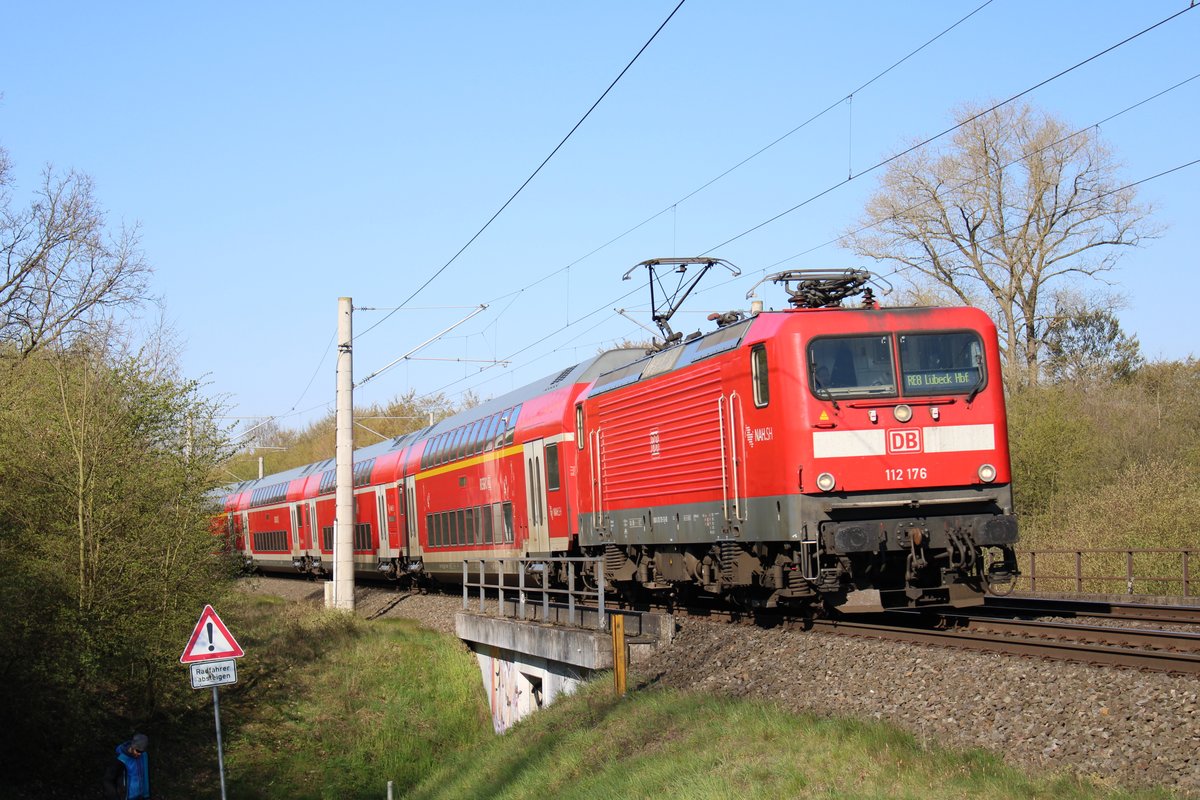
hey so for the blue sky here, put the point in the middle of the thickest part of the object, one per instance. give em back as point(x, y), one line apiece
point(280, 155)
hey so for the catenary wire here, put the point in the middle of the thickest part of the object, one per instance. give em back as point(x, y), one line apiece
point(699, 189)
point(758, 152)
point(809, 200)
point(1130, 185)
point(949, 130)
point(478, 233)
point(965, 183)
point(917, 146)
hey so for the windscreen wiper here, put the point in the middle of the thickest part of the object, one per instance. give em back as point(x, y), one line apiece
point(821, 388)
point(978, 385)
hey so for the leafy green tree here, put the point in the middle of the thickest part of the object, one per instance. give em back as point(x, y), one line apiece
point(105, 471)
point(1088, 344)
point(1052, 441)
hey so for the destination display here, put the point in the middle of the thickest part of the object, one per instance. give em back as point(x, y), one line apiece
point(941, 380)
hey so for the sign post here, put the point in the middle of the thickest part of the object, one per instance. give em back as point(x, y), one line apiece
point(210, 652)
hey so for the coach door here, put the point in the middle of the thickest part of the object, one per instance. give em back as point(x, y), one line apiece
point(733, 457)
point(410, 495)
point(535, 497)
point(385, 540)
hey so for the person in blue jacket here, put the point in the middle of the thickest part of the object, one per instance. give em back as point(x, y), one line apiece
point(128, 774)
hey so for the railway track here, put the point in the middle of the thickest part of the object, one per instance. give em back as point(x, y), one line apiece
point(1139, 612)
point(1140, 648)
point(989, 629)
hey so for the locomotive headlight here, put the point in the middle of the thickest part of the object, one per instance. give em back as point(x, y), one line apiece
point(902, 413)
point(826, 482)
point(987, 473)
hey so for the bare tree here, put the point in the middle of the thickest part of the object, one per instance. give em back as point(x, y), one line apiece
point(63, 269)
point(1012, 209)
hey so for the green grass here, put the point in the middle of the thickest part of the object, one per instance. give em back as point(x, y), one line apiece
point(330, 706)
point(666, 744)
point(342, 706)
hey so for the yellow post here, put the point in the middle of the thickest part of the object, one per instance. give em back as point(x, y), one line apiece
point(618, 637)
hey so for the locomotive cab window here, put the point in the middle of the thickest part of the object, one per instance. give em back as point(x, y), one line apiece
point(852, 366)
point(758, 372)
point(948, 362)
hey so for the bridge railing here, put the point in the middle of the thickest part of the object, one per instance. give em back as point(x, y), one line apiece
point(1156, 571)
point(533, 578)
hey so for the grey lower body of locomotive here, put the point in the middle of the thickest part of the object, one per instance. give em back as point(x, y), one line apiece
point(855, 551)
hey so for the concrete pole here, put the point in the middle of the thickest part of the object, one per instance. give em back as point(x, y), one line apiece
point(343, 537)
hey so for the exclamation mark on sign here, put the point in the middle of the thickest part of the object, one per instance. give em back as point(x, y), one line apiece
point(211, 646)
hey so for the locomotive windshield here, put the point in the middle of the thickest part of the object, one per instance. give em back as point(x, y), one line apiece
point(949, 362)
point(852, 366)
point(941, 363)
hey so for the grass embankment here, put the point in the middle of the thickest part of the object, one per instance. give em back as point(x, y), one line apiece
point(333, 707)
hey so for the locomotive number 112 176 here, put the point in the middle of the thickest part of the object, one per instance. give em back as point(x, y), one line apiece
point(909, 473)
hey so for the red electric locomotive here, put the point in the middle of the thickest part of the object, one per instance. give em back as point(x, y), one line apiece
point(859, 455)
point(854, 456)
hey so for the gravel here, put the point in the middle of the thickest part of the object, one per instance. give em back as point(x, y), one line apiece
point(1117, 726)
point(434, 611)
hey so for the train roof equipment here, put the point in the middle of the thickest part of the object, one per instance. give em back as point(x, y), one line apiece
point(826, 288)
point(662, 310)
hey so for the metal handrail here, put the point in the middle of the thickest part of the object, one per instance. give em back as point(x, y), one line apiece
point(524, 565)
point(1130, 579)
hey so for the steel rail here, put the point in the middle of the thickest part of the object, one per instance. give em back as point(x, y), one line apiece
point(1049, 607)
point(1155, 660)
point(1156, 638)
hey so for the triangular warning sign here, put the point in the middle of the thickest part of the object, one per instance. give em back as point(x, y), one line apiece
point(210, 641)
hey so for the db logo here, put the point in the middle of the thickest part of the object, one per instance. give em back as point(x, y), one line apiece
point(904, 440)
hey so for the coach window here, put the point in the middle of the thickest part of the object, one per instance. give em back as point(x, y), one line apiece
point(477, 436)
point(477, 432)
point(464, 445)
point(552, 467)
point(485, 516)
point(579, 426)
point(508, 523)
point(489, 432)
point(758, 370)
point(501, 424)
point(510, 432)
